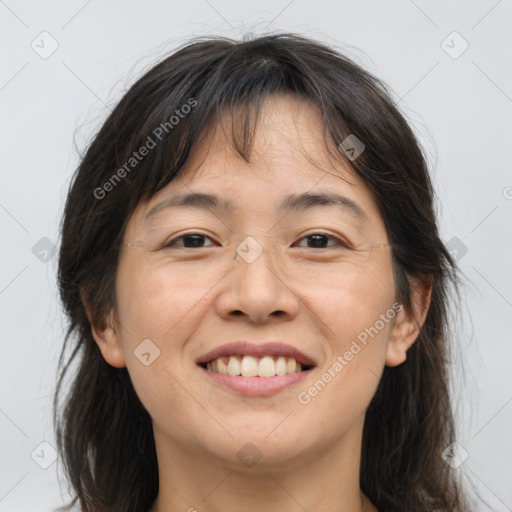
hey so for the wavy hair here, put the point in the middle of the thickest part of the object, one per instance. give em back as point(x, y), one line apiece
point(103, 432)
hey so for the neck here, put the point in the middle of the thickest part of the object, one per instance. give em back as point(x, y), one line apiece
point(320, 481)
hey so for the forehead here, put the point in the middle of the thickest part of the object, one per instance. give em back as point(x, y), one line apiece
point(288, 160)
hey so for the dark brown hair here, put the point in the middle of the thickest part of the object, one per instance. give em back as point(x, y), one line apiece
point(104, 434)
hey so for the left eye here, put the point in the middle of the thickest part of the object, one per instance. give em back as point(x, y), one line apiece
point(195, 241)
point(319, 238)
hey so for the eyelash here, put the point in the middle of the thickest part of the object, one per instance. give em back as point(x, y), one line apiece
point(338, 241)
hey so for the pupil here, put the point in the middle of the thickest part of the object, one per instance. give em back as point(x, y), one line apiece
point(197, 239)
point(318, 240)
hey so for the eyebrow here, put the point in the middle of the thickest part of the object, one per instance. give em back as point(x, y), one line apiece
point(291, 203)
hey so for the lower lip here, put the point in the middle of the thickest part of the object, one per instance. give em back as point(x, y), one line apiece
point(257, 386)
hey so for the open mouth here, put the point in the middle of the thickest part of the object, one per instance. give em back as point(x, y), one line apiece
point(250, 366)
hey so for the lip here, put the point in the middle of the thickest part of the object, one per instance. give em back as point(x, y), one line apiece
point(256, 386)
point(246, 348)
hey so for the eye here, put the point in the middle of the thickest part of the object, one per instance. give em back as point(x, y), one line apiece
point(196, 241)
point(190, 241)
point(318, 240)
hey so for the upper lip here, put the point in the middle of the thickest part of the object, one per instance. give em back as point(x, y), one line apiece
point(246, 348)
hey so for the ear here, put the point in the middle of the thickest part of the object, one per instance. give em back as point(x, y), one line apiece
point(409, 322)
point(106, 336)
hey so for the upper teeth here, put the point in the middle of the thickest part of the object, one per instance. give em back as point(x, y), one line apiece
point(249, 366)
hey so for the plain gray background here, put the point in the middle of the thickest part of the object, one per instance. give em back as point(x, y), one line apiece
point(458, 99)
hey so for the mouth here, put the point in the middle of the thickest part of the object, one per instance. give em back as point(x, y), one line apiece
point(246, 359)
point(250, 366)
point(256, 369)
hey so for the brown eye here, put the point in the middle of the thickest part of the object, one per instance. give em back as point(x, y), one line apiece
point(319, 240)
point(190, 241)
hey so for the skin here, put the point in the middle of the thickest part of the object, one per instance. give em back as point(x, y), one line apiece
point(316, 299)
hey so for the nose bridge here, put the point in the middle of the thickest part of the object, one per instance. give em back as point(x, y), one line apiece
point(258, 286)
point(257, 262)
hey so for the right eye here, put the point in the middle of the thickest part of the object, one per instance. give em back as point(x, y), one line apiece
point(190, 241)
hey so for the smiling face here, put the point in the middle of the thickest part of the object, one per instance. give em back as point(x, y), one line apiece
point(265, 268)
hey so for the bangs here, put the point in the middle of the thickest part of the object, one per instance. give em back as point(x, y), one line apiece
point(232, 88)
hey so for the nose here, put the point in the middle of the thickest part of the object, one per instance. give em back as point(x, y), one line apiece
point(258, 290)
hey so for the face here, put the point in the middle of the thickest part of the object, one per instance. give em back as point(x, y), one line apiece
point(313, 277)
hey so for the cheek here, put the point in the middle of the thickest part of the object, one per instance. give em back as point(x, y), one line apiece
point(346, 382)
point(157, 306)
point(164, 307)
point(158, 303)
point(357, 313)
point(350, 302)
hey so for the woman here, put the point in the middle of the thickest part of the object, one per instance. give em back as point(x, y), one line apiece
point(257, 294)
